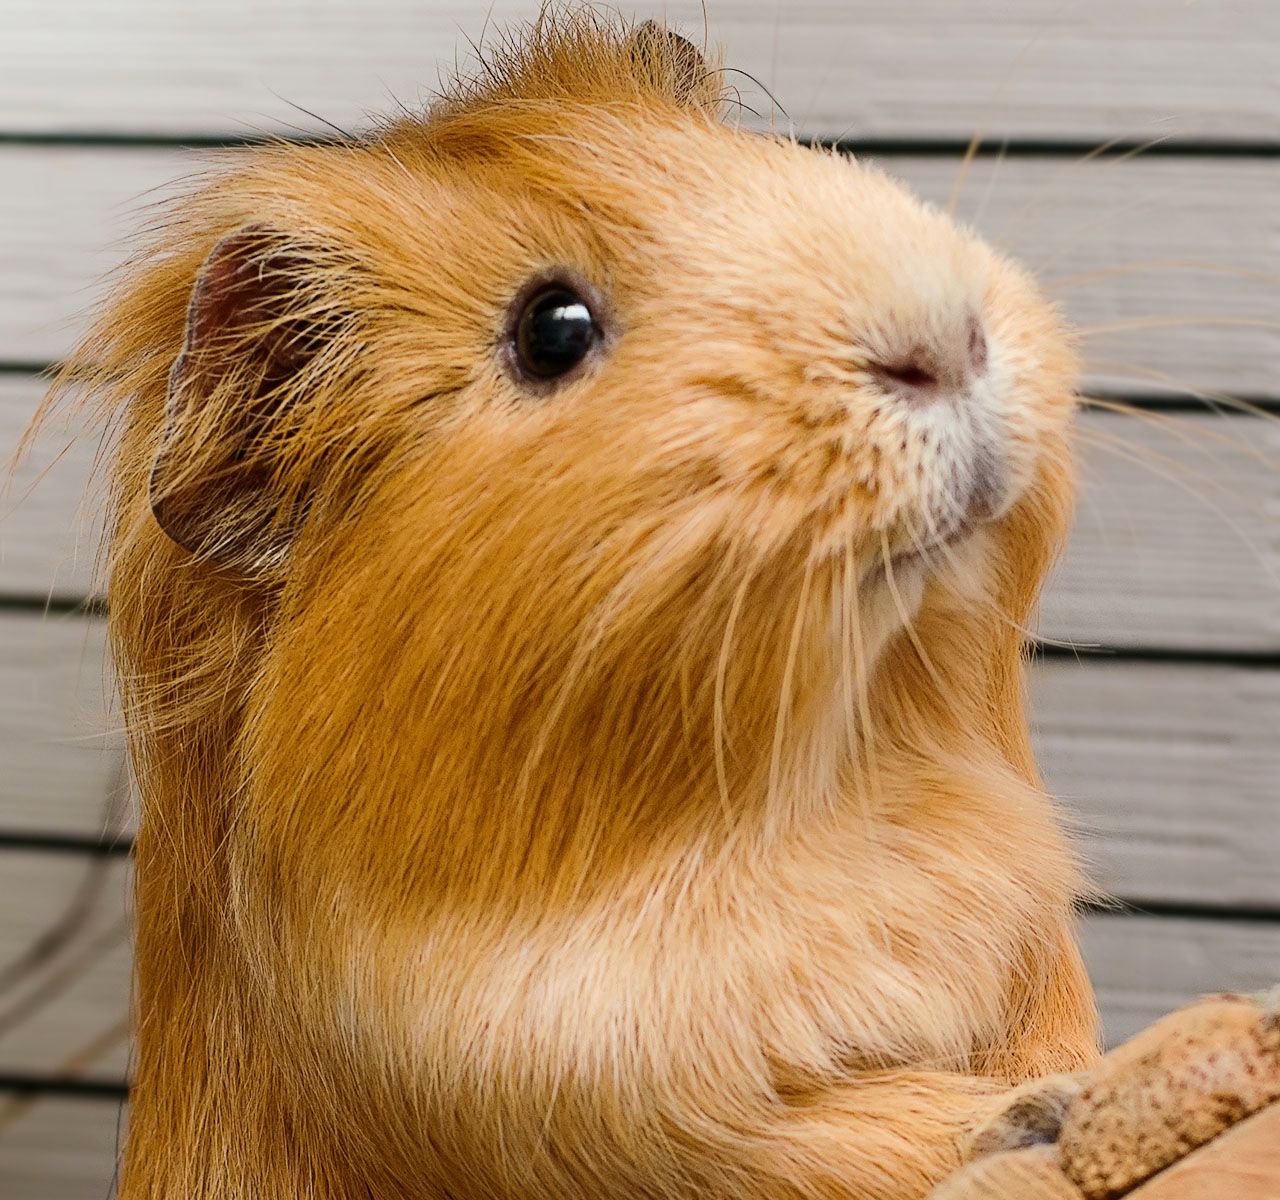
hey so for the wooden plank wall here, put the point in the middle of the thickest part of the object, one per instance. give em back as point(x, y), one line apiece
point(1159, 735)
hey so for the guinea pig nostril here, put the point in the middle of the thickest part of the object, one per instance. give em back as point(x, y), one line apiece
point(908, 379)
point(910, 375)
point(977, 348)
point(944, 365)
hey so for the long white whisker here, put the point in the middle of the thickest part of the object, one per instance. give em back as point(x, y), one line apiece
point(908, 625)
point(718, 700)
point(785, 697)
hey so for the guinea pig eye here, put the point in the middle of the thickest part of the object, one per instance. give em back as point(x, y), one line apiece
point(554, 332)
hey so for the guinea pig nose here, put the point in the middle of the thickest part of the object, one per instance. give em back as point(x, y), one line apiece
point(927, 371)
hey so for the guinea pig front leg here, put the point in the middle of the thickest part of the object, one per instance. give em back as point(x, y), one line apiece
point(894, 1135)
point(891, 1135)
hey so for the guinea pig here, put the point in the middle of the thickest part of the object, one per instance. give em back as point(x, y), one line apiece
point(568, 579)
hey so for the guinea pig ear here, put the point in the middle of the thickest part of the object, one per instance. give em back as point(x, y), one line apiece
point(673, 64)
point(218, 487)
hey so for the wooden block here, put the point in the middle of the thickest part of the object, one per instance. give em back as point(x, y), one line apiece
point(1176, 1086)
point(1241, 1164)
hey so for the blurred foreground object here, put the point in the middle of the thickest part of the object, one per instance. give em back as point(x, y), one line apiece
point(1187, 1110)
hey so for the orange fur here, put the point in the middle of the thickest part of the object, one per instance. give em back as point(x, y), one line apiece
point(578, 806)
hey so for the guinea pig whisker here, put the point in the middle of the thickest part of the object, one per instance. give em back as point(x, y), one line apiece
point(939, 545)
point(1069, 242)
point(1148, 456)
point(1177, 321)
point(1176, 427)
point(992, 177)
point(998, 102)
point(908, 622)
point(1065, 283)
point(1211, 399)
point(718, 694)
point(1016, 223)
point(787, 685)
point(1177, 472)
point(869, 789)
point(1151, 461)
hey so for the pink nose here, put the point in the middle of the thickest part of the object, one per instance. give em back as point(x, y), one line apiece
point(928, 371)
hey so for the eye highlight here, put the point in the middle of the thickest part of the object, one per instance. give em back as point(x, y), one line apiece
point(554, 332)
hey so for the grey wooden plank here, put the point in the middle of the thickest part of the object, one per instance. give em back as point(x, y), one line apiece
point(1177, 535)
point(59, 756)
point(1169, 774)
point(50, 509)
point(1144, 967)
point(1085, 69)
point(59, 1148)
point(64, 226)
point(1094, 230)
point(64, 962)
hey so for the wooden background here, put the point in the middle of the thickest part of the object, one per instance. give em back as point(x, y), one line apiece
point(1159, 734)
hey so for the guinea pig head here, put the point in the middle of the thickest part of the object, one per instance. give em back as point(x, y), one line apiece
point(589, 464)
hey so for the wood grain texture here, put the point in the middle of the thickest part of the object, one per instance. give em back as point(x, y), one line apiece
point(1145, 966)
point(1243, 1163)
point(1177, 535)
point(59, 760)
point(1191, 241)
point(50, 510)
point(1169, 773)
point(64, 965)
point(1088, 69)
point(58, 1148)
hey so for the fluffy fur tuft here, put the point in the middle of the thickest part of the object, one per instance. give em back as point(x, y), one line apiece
point(619, 790)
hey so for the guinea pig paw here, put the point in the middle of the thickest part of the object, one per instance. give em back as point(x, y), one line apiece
point(1032, 1173)
point(1170, 1090)
point(1032, 1115)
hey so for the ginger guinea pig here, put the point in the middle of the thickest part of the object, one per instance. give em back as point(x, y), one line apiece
point(568, 580)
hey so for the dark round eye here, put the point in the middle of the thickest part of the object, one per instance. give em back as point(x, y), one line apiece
point(554, 333)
